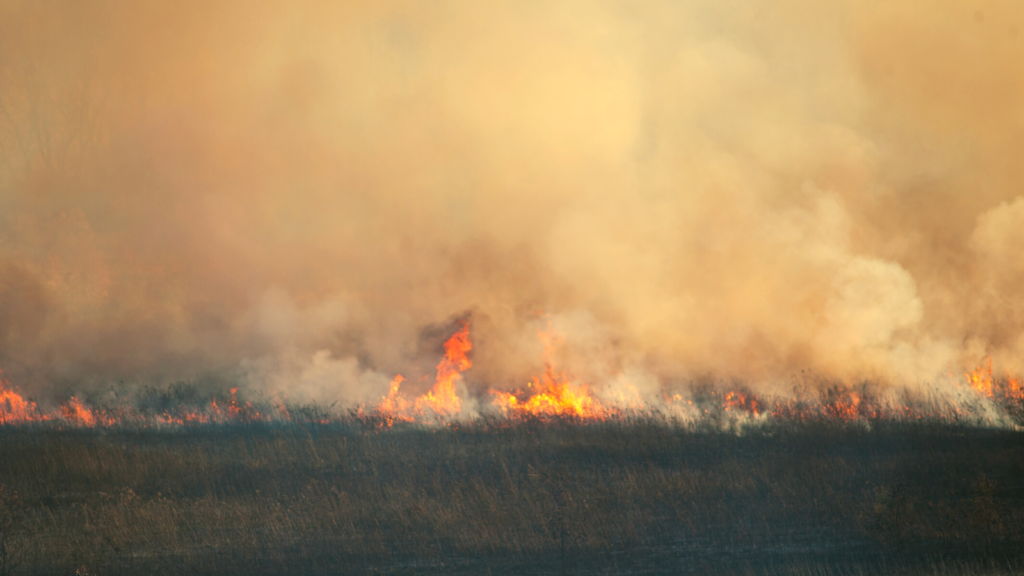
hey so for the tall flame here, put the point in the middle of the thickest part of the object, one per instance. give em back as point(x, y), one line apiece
point(442, 398)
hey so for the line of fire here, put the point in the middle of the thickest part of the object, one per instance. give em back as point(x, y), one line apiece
point(552, 394)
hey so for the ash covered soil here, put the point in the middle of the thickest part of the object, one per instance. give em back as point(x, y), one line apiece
point(636, 496)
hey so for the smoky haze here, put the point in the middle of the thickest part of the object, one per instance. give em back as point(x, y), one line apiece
point(305, 196)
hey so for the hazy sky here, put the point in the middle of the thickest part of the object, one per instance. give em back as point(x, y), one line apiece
point(304, 195)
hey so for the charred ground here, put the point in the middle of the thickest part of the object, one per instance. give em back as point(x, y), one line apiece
point(637, 495)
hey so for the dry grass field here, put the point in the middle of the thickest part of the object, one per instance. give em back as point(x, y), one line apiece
point(634, 496)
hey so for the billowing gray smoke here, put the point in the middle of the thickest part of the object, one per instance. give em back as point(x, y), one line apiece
point(303, 196)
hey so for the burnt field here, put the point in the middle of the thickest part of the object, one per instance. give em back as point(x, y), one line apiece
point(632, 496)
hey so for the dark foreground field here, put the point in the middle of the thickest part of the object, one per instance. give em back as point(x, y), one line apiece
point(637, 497)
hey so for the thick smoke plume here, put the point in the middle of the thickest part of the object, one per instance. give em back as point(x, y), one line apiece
point(303, 197)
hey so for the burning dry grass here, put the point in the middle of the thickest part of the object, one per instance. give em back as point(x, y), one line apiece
point(494, 497)
point(549, 478)
point(702, 406)
point(983, 400)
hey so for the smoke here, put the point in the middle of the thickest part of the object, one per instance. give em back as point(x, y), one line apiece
point(301, 197)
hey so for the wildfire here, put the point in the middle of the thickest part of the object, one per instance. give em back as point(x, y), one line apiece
point(13, 408)
point(394, 407)
point(742, 401)
point(74, 412)
point(844, 406)
point(1015, 390)
point(441, 400)
point(981, 379)
point(553, 393)
point(630, 398)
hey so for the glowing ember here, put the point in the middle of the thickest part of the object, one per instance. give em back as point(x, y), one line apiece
point(742, 401)
point(844, 406)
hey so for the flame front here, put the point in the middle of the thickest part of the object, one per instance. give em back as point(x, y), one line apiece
point(742, 401)
point(442, 400)
point(980, 379)
point(74, 412)
point(13, 408)
point(394, 407)
point(553, 394)
point(1014, 390)
point(844, 406)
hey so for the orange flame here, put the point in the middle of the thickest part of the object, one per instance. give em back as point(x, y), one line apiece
point(394, 407)
point(845, 406)
point(742, 401)
point(1014, 390)
point(552, 394)
point(13, 408)
point(980, 379)
point(74, 412)
point(442, 398)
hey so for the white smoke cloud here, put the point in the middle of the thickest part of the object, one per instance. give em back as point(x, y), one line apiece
point(313, 191)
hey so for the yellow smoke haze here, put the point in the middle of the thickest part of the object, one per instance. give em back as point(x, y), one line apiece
point(303, 195)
